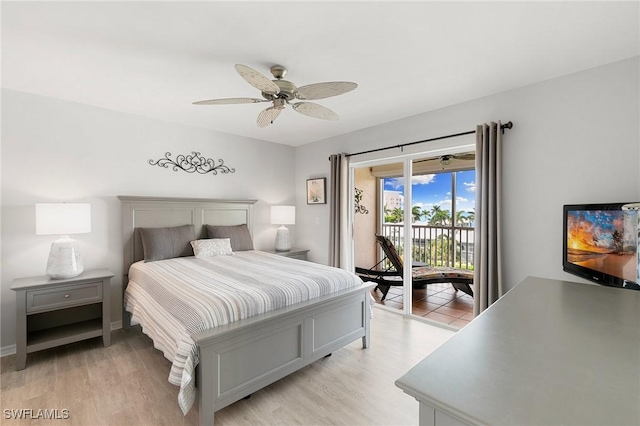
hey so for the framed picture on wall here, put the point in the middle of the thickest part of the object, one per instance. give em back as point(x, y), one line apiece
point(317, 191)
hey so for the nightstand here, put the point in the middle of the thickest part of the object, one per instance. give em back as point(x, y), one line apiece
point(51, 313)
point(294, 253)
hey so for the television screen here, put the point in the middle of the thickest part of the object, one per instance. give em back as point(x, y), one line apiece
point(600, 243)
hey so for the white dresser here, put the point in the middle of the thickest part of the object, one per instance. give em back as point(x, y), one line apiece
point(547, 353)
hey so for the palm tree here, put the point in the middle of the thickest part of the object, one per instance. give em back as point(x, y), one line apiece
point(464, 218)
point(437, 216)
point(387, 214)
point(471, 216)
point(425, 214)
point(617, 241)
point(416, 213)
point(429, 214)
point(394, 215)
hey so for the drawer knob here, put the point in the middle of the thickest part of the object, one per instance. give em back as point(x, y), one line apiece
point(66, 296)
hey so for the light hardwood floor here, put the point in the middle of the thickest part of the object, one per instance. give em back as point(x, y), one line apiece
point(126, 384)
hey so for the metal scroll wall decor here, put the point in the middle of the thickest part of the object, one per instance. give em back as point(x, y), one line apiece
point(359, 207)
point(193, 163)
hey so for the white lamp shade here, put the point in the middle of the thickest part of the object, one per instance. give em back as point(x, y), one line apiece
point(283, 215)
point(63, 218)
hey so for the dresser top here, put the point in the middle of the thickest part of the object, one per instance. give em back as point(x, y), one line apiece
point(548, 352)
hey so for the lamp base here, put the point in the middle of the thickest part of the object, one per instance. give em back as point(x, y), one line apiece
point(64, 259)
point(283, 243)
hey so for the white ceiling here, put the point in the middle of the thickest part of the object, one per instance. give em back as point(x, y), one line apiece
point(156, 58)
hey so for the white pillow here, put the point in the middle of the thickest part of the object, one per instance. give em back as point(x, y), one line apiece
point(212, 247)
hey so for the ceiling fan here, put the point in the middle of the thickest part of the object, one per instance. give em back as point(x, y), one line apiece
point(281, 93)
point(446, 159)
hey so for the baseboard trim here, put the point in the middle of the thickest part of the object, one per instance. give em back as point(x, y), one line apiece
point(7, 350)
point(11, 349)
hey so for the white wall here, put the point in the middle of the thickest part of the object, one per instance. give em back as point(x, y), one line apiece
point(54, 151)
point(575, 139)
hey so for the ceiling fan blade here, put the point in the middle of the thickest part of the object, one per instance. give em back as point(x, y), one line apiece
point(268, 116)
point(466, 156)
point(324, 90)
point(426, 159)
point(315, 110)
point(257, 80)
point(230, 101)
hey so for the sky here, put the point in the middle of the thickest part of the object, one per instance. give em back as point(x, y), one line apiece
point(430, 190)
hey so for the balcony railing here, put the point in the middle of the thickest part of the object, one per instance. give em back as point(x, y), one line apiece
point(435, 245)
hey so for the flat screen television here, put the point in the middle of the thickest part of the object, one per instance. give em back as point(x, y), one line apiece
point(600, 243)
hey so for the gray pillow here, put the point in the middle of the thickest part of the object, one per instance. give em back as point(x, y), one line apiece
point(167, 243)
point(239, 235)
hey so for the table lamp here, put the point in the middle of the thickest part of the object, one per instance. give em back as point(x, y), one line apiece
point(283, 215)
point(63, 219)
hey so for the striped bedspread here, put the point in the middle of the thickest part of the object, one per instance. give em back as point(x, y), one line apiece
point(173, 299)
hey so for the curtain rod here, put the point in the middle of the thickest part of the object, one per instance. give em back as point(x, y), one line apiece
point(507, 125)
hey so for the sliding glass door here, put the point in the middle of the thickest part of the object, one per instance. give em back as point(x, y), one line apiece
point(428, 219)
point(379, 229)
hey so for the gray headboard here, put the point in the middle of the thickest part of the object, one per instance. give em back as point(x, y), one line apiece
point(154, 212)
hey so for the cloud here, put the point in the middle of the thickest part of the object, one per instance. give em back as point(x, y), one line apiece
point(422, 179)
point(395, 183)
point(471, 186)
point(424, 206)
point(398, 183)
point(447, 202)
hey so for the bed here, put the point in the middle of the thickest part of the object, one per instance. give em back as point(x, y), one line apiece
point(225, 362)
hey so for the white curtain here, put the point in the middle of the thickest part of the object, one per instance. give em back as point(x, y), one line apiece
point(339, 214)
point(488, 284)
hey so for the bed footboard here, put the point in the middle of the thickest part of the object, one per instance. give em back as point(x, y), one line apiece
point(244, 357)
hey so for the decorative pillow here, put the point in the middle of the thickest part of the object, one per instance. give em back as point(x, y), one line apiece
point(239, 235)
point(211, 248)
point(167, 243)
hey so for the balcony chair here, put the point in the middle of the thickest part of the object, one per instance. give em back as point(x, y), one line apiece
point(422, 275)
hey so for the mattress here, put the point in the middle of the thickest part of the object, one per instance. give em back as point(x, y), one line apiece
point(173, 299)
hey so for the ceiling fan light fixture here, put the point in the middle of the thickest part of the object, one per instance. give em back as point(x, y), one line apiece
point(278, 71)
point(445, 160)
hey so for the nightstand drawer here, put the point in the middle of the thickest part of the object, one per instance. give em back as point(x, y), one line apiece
point(64, 296)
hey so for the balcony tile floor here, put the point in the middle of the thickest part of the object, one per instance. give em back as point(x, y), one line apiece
point(437, 302)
